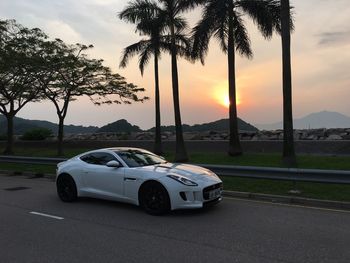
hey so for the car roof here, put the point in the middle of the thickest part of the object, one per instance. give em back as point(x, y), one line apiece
point(116, 149)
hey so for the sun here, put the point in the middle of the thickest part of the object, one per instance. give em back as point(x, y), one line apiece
point(223, 99)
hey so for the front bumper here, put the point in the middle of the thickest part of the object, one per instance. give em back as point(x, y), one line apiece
point(196, 197)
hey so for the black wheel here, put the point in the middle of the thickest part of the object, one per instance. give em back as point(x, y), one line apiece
point(66, 188)
point(154, 198)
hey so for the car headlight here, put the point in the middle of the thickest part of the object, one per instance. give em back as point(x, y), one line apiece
point(182, 180)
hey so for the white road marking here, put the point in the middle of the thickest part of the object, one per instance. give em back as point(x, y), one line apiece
point(46, 215)
point(288, 205)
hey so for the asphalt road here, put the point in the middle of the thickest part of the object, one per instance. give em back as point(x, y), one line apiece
point(100, 231)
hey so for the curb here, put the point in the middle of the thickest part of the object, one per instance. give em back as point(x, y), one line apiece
point(289, 200)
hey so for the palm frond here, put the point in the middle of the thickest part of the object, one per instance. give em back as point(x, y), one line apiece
point(182, 44)
point(221, 28)
point(221, 36)
point(144, 59)
point(202, 32)
point(133, 50)
point(152, 26)
point(241, 37)
point(275, 11)
point(186, 5)
point(139, 10)
point(266, 14)
point(180, 24)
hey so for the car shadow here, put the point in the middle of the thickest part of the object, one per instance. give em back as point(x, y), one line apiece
point(133, 208)
point(195, 212)
point(107, 203)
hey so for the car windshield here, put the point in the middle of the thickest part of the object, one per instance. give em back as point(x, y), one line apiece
point(135, 158)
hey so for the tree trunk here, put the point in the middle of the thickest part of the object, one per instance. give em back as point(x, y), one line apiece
point(158, 135)
point(9, 144)
point(180, 154)
point(289, 158)
point(234, 143)
point(60, 137)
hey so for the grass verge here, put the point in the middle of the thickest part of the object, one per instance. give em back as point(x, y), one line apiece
point(322, 191)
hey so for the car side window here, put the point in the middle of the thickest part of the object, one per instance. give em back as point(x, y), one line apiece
point(87, 158)
point(98, 158)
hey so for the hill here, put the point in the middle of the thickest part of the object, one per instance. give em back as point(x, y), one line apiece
point(220, 125)
point(119, 126)
point(22, 125)
point(318, 120)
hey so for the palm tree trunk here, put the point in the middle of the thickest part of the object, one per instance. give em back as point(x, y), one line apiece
point(234, 143)
point(60, 136)
point(181, 153)
point(158, 135)
point(9, 143)
point(289, 158)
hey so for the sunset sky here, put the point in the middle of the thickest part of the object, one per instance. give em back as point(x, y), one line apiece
point(320, 64)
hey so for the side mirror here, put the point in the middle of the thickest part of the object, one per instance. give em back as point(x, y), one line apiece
point(113, 163)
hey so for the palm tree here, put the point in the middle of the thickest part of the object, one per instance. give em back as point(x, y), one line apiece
point(289, 158)
point(169, 12)
point(146, 48)
point(223, 20)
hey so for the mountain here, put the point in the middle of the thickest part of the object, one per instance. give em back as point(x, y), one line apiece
point(22, 125)
point(220, 125)
point(120, 126)
point(323, 119)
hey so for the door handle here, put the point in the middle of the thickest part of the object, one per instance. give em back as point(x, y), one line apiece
point(129, 179)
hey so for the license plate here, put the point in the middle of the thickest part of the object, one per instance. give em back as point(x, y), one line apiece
point(215, 193)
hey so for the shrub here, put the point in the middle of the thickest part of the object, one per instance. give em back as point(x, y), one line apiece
point(37, 134)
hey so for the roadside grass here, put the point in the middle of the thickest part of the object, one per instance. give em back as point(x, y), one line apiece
point(335, 192)
point(270, 160)
point(248, 159)
point(47, 152)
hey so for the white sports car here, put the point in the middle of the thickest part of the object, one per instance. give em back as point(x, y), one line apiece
point(138, 177)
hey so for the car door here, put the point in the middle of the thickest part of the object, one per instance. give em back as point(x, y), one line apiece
point(101, 180)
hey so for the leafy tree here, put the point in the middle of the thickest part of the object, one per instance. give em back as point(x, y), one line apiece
point(223, 19)
point(153, 26)
point(19, 47)
point(169, 12)
point(37, 134)
point(68, 73)
point(289, 157)
point(120, 126)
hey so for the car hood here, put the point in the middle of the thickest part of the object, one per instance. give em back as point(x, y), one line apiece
point(192, 172)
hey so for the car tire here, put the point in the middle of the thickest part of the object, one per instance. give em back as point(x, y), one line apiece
point(66, 188)
point(154, 198)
